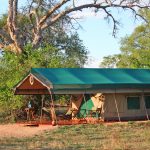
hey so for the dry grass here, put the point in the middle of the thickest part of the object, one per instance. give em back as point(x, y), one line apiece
point(127, 136)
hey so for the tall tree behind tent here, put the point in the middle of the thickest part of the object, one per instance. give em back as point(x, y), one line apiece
point(135, 48)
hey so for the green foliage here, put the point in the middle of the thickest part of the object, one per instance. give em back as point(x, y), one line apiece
point(70, 44)
point(135, 49)
point(10, 71)
point(110, 61)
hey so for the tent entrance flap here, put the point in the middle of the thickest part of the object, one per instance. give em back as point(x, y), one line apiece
point(86, 106)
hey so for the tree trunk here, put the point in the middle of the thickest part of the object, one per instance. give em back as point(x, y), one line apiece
point(12, 29)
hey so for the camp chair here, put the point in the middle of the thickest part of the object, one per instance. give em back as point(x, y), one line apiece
point(83, 113)
point(46, 109)
point(68, 114)
point(46, 112)
point(71, 112)
point(30, 113)
point(95, 112)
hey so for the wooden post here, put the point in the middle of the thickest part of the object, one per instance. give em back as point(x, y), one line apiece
point(43, 96)
point(117, 107)
point(53, 113)
point(70, 102)
point(145, 105)
point(54, 118)
point(70, 105)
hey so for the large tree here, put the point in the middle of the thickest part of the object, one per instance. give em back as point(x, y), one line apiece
point(44, 14)
point(135, 49)
point(70, 44)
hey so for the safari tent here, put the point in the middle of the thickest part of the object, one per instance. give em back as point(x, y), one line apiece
point(113, 94)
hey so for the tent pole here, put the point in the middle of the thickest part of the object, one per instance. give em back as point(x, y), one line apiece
point(105, 109)
point(70, 105)
point(117, 107)
point(53, 113)
point(70, 102)
point(43, 96)
point(85, 104)
point(145, 105)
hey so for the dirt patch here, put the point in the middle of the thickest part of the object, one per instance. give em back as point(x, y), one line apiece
point(20, 130)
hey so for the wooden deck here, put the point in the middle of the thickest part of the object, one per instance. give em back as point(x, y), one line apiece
point(62, 122)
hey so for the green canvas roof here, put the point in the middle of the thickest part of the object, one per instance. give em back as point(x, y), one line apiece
point(71, 79)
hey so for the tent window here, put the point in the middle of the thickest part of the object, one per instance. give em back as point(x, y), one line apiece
point(147, 102)
point(133, 102)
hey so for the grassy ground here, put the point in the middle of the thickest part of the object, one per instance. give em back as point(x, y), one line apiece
point(128, 136)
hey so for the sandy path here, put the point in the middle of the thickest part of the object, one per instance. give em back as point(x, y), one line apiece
point(19, 130)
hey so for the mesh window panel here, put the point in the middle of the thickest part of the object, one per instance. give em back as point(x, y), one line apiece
point(133, 102)
point(147, 102)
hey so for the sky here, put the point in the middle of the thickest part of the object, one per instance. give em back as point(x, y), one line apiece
point(97, 33)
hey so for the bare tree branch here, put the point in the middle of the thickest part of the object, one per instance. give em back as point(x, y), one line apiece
point(115, 22)
point(15, 12)
point(52, 10)
point(69, 10)
point(44, 14)
point(35, 13)
point(97, 6)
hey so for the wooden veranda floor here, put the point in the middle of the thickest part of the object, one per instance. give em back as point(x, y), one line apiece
point(63, 122)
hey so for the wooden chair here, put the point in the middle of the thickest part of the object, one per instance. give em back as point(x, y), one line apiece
point(95, 112)
point(30, 113)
